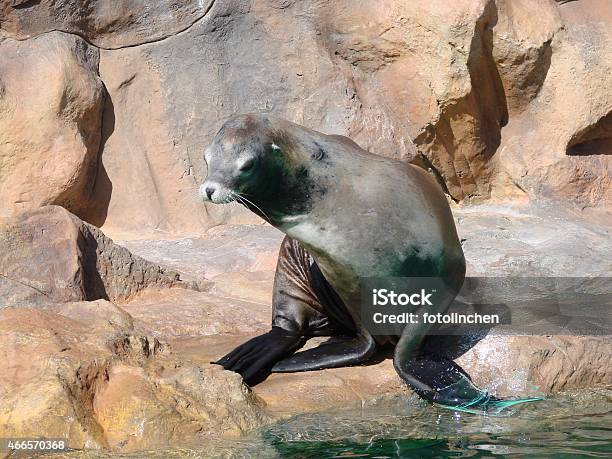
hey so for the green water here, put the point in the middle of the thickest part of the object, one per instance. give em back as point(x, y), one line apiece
point(571, 425)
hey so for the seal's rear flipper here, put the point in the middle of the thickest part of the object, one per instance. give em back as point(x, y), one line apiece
point(335, 352)
point(443, 382)
point(255, 358)
point(462, 395)
point(492, 406)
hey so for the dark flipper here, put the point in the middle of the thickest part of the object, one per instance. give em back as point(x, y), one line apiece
point(335, 352)
point(255, 358)
point(443, 382)
point(438, 378)
point(338, 351)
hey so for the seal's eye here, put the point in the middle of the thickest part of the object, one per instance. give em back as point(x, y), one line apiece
point(247, 165)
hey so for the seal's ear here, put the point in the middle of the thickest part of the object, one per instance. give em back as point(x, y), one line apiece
point(207, 153)
point(319, 153)
point(275, 148)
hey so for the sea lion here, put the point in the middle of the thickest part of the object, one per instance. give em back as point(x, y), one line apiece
point(347, 214)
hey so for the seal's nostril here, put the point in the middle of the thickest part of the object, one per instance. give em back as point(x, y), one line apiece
point(209, 192)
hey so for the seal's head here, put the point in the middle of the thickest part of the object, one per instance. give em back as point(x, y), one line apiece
point(242, 160)
point(256, 161)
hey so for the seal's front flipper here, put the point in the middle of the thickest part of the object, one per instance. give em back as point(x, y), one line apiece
point(335, 352)
point(255, 358)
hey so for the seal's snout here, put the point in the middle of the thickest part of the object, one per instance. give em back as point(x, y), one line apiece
point(207, 191)
point(215, 192)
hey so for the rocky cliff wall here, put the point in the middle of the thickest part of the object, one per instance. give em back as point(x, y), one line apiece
point(106, 107)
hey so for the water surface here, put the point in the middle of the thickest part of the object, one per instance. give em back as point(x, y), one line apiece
point(571, 425)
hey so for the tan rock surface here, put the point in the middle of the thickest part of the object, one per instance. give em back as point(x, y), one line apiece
point(498, 240)
point(50, 119)
point(34, 398)
point(558, 147)
point(106, 24)
point(49, 255)
point(79, 371)
point(478, 87)
point(201, 313)
point(509, 96)
point(138, 376)
point(106, 112)
point(522, 48)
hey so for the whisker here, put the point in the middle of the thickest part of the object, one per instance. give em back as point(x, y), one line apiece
point(242, 197)
point(239, 201)
point(228, 204)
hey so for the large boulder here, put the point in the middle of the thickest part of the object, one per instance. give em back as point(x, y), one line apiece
point(49, 255)
point(80, 372)
point(51, 100)
point(89, 372)
point(558, 146)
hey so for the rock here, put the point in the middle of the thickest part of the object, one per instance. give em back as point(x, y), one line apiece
point(126, 23)
point(62, 97)
point(320, 87)
point(138, 412)
point(526, 241)
point(161, 196)
point(498, 241)
point(486, 97)
point(428, 69)
point(318, 390)
point(222, 249)
point(455, 88)
point(101, 316)
point(508, 366)
point(505, 101)
point(37, 346)
point(201, 313)
point(522, 48)
point(138, 376)
point(558, 147)
point(80, 372)
point(254, 286)
point(88, 371)
point(511, 365)
point(49, 255)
